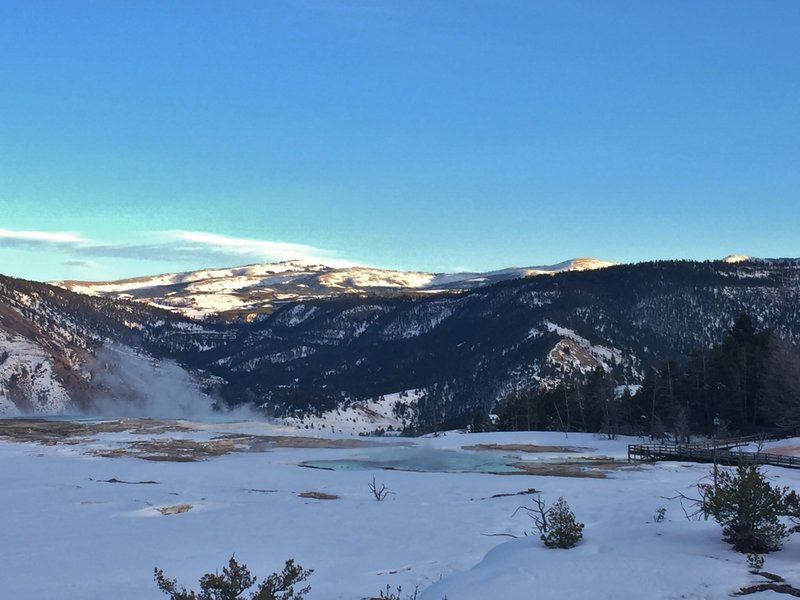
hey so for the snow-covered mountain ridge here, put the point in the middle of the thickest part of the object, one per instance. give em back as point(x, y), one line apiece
point(459, 352)
point(250, 290)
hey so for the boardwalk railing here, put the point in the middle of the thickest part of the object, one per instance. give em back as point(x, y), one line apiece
point(707, 452)
point(724, 443)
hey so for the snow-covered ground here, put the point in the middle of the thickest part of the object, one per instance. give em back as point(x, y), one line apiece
point(71, 531)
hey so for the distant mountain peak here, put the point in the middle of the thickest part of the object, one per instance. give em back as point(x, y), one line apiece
point(585, 263)
point(582, 263)
point(736, 258)
point(248, 290)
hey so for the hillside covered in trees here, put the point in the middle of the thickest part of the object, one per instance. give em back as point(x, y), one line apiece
point(749, 382)
point(462, 354)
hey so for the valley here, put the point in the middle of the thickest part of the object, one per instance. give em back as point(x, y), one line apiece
point(457, 352)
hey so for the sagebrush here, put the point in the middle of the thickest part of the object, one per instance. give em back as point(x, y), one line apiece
point(236, 579)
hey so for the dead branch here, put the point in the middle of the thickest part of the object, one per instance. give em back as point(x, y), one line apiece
point(781, 588)
point(537, 513)
point(694, 512)
point(380, 493)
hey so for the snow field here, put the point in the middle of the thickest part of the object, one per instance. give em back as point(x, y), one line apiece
point(68, 534)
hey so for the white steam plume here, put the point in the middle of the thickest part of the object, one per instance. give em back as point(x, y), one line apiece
point(132, 385)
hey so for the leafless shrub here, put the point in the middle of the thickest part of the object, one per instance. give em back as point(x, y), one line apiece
point(381, 492)
point(388, 594)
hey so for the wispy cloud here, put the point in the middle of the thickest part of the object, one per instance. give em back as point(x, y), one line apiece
point(262, 250)
point(9, 237)
point(197, 248)
point(83, 264)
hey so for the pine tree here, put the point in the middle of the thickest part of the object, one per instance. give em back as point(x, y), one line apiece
point(562, 530)
point(748, 508)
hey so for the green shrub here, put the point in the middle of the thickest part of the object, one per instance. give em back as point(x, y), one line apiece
point(235, 580)
point(755, 562)
point(563, 530)
point(748, 508)
point(556, 525)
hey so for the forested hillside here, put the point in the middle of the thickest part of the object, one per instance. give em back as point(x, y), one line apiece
point(466, 353)
point(747, 383)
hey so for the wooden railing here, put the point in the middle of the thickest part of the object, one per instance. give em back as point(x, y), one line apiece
point(725, 442)
point(706, 452)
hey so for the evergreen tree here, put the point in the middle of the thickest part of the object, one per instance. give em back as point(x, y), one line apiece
point(748, 508)
point(562, 529)
point(780, 392)
point(740, 381)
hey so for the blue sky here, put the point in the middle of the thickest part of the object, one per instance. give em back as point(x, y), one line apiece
point(143, 137)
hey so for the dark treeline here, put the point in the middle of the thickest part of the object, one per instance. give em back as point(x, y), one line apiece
point(585, 404)
point(748, 383)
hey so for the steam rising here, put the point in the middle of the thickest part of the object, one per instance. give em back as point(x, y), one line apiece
point(131, 385)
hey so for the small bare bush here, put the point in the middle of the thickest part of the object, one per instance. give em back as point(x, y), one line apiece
point(388, 594)
point(381, 492)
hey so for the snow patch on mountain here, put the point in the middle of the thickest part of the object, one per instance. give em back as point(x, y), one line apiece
point(421, 319)
point(296, 315)
point(360, 277)
point(248, 290)
point(237, 277)
point(736, 258)
point(276, 358)
point(385, 414)
point(28, 384)
point(578, 352)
